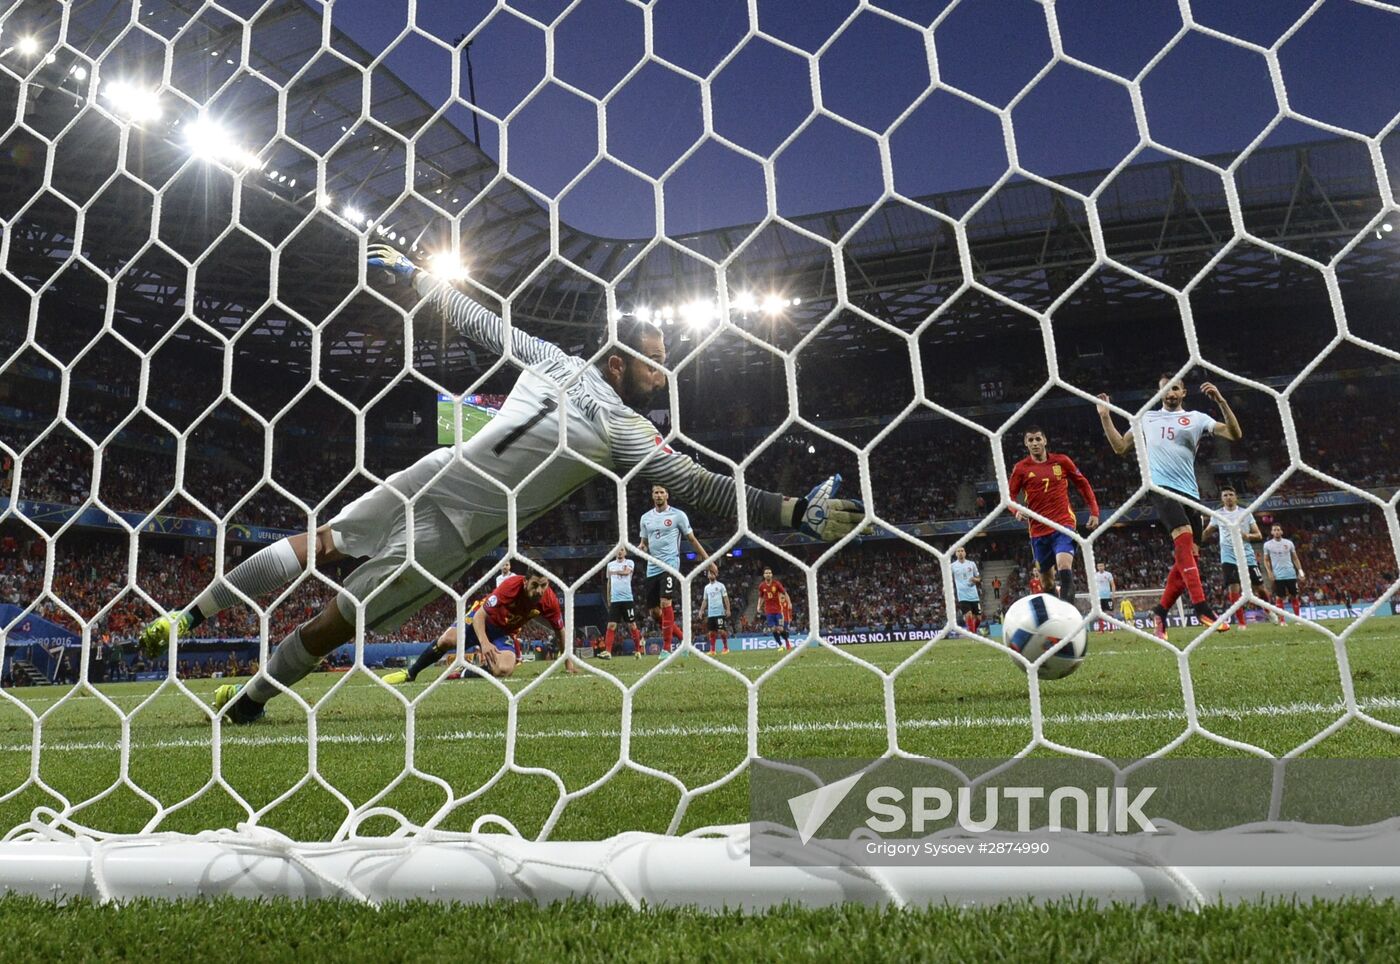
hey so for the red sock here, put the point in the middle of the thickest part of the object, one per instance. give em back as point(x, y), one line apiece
point(1295, 607)
point(724, 638)
point(637, 644)
point(608, 639)
point(1234, 596)
point(1186, 563)
point(1175, 584)
point(712, 642)
point(668, 626)
point(976, 623)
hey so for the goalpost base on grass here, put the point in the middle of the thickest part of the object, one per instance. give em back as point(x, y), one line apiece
point(713, 869)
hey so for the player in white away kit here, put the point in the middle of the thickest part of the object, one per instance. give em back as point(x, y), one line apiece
point(505, 572)
point(1103, 580)
point(663, 525)
point(622, 608)
point(459, 506)
point(1171, 435)
point(716, 611)
point(967, 581)
point(1283, 568)
point(1236, 516)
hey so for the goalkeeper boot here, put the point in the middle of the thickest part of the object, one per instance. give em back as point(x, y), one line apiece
point(243, 710)
point(397, 678)
point(155, 637)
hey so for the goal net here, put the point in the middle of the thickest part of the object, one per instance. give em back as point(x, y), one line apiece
point(317, 315)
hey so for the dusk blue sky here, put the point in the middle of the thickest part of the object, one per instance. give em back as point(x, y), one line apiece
point(1206, 97)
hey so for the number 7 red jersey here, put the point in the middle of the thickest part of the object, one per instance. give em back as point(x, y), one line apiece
point(1046, 485)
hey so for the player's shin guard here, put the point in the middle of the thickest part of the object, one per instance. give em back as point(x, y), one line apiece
point(1185, 550)
point(270, 568)
point(289, 662)
point(1064, 584)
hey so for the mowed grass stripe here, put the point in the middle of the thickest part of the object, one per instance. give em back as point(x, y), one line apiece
point(245, 739)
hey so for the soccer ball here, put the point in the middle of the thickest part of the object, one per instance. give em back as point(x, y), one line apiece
point(1036, 623)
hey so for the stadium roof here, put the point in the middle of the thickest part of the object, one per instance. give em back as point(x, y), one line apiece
point(339, 146)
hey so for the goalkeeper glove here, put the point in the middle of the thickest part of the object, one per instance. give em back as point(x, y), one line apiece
point(825, 517)
point(397, 268)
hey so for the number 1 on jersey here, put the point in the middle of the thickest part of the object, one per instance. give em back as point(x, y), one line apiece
point(547, 406)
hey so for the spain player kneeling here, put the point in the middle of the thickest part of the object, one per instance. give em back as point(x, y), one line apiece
point(494, 622)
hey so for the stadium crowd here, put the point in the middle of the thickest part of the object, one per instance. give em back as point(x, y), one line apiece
point(929, 469)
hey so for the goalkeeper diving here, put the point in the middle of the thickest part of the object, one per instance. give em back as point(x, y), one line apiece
point(458, 494)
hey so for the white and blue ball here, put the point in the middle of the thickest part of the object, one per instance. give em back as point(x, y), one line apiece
point(1038, 623)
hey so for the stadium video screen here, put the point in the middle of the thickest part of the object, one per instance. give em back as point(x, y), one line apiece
point(477, 410)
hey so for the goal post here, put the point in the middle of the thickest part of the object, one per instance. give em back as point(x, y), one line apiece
point(1142, 601)
point(198, 357)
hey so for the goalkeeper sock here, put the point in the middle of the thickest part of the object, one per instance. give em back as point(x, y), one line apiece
point(1064, 582)
point(271, 567)
point(425, 659)
point(289, 662)
point(1185, 549)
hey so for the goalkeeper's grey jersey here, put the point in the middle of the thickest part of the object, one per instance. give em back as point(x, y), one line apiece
point(527, 439)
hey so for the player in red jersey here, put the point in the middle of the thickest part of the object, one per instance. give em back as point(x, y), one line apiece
point(1035, 585)
point(1045, 478)
point(776, 602)
point(494, 621)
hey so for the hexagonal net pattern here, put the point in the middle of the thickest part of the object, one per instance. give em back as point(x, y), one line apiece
point(202, 187)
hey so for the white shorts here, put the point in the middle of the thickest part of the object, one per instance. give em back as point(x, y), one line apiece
point(376, 525)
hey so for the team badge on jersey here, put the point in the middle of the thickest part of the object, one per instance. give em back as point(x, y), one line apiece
point(1057, 470)
point(668, 522)
point(1183, 421)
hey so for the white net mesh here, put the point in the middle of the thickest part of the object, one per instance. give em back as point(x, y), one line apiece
point(198, 363)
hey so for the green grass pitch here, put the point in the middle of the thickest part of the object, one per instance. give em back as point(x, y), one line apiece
point(1274, 688)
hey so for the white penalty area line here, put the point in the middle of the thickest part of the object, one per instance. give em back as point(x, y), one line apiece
point(253, 739)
